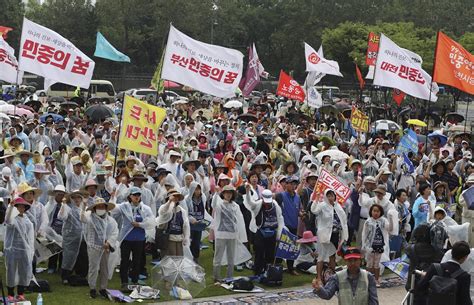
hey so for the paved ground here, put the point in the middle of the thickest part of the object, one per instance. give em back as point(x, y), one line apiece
point(391, 296)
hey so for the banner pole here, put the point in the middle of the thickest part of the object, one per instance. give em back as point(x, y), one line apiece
point(118, 135)
point(431, 88)
point(467, 110)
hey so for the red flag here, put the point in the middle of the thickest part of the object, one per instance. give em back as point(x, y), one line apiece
point(372, 49)
point(398, 96)
point(359, 76)
point(453, 64)
point(4, 31)
point(290, 88)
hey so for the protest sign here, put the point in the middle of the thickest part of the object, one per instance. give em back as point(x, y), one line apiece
point(359, 120)
point(205, 67)
point(399, 267)
point(48, 54)
point(140, 126)
point(468, 196)
point(409, 142)
point(44, 249)
point(287, 247)
point(327, 181)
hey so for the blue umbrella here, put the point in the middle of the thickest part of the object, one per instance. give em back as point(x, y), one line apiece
point(56, 117)
point(442, 138)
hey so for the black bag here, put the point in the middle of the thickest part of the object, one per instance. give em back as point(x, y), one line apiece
point(243, 283)
point(77, 281)
point(43, 286)
point(442, 289)
point(162, 237)
point(273, 276)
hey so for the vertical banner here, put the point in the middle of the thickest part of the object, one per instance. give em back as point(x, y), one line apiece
point(140, 124)
point(372, 49)
point(359, 120)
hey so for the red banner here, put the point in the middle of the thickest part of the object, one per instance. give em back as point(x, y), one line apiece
point(290, 88)
point(360, 78)
point(372, 49)
point(398, 96)
point(453, 64)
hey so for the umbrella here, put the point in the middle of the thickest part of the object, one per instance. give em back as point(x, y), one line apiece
point(12, 110)
point(78, 100)
point(416, 122)
point(180, 102)
point(207, 113)
point(56, 117)
point(179, 271)
point(342, 105)
point(4, 118)
point(26, 107)
point(56, 99)
point(233, 104)
point(35, 104)
point(98, 112)
point(442, 138)
point(347, 113)
point(3, 103)
point(298, 118)
point(69, 104)
point(328, 108)
point(404, 111)
point(386, 125)
point(454, 117)
point(247, 117)
point(170, 84)
point(335, 154)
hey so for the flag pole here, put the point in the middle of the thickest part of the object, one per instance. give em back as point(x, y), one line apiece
point(118, 135)
point(431, 88)
point(467, 110)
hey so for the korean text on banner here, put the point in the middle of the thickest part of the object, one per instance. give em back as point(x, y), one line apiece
point(395, 68)
point(359, 120)
point(453, 65)
point(287, 247)
point(372, 49)
point(205, 67)
point(140, 126)
point(48, 54)
point(315, 62)
point(409, 142)
point(328, 181)
point(9, 64)
point(290, 88)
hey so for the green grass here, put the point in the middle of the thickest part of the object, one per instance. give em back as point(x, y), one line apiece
point(63, 295)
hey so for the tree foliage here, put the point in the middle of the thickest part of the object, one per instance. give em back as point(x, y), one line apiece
point(279, 28)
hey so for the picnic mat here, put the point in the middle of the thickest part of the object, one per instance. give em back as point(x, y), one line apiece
point(256, 289)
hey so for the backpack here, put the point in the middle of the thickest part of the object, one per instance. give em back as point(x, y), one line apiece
point(243, 283)
point(438, 236)
point(443, 289)
point(273, 276)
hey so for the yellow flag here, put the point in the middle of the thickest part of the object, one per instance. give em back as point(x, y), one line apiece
point(157, 82)
point(140, 124)
point(359, 120)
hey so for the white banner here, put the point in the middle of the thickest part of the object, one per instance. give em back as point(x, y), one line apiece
point(208, 68)
point(316, 62)
point(48, 54)
point(9, 64)
point(370, 73)
point(395, 68)
point(314, 77)
point(315, 100)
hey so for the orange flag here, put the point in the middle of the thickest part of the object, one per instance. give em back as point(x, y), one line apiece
point(4, 31)
point(359, 76)
point(398, 96)
point(453, 64)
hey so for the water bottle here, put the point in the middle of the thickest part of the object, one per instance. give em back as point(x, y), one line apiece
point(39, 299)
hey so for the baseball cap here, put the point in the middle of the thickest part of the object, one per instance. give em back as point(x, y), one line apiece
point(267, 196)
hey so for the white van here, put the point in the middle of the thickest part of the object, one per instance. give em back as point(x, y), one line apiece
point(97, 88)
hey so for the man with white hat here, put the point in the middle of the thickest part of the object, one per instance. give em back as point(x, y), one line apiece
point(52, 209)
point(461, 164)
point(173, 166)
point(365, 193)
point(7, 181)
point(75, 177)
point(41, 182)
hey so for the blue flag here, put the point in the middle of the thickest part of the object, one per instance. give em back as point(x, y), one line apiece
point(104, 49)
point(287, 247)
point(411, 167)
point(409, 142)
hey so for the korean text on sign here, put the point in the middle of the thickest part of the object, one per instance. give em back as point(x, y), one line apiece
point(328, 181)
point(359, 120)
point(140, 124)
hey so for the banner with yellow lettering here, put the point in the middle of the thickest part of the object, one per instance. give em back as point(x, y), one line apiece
point(140, 124)
point(359, 120)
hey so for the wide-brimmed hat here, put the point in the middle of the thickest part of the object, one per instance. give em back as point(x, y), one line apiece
point(438, 184)
point(91, 182)
point(223, 166)
point(352, 252)
point(308, 237)
point(470, 179)
point(7, 153)
point(229, 188)
point(57, 189)
point(25, 187)
point(381, 189)
point(311, 175)
point(24, 152)
point(356, 161)
point(223, 177)
point(131, 158)
point(139, 176)
point(21, 201)
point(122, 173)
point(185, 164)
point(174, 192)
point(370, 179)
point(99, 201)
point(41, 169)
point(81, 193)
point(174, 153)
point(14, 138)
point(134, 190)
point(76, 160)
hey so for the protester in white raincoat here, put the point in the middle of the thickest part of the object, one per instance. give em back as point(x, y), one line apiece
point(55, 223)
point(18, 248)
point(40, 181)
point(37, 212)
point(74, 246)
point(332, 231)
point(229, 230)
point(75, 178)
point(100, 234)
point(137, 219)
point(174, 217)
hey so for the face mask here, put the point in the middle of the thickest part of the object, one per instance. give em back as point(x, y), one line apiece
point(100, 212)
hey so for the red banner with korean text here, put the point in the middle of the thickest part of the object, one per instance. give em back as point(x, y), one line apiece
point(46, 53)
point(290, 88)
point(328, 181)
point(140, 124)
point(372, 49)
point(453, 64)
